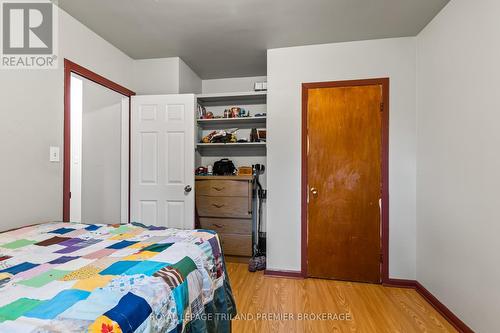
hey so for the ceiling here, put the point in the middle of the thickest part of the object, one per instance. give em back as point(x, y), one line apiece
point(229, 38)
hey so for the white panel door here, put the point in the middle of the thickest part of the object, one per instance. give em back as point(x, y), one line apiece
point(162, 160)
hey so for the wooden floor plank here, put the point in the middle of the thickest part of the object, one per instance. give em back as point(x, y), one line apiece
point(372, 308)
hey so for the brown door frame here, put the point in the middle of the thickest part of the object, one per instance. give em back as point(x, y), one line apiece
point(384, 82)
point(69, 68)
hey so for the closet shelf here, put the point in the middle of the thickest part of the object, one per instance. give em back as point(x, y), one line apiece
point(232, 149)
point(246, 122)
point(237, 98)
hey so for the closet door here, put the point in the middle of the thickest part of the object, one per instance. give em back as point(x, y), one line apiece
point(162, 160)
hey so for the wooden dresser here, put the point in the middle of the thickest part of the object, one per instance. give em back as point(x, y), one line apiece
point(224, 204)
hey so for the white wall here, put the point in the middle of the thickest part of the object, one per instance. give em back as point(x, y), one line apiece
point(287, 69)
point(101, 158)
point(189, 81)
point(164, 76)
point(75, 185)
point(156, 76)
point(31, 120)
point(458, 158)
point(235, 84)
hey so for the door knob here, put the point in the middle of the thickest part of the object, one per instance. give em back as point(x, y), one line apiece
point(187, 189)
point(314, 191)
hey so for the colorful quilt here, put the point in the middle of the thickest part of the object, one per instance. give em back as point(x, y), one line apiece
point(69, 277)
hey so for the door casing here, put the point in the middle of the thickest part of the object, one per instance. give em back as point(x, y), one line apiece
point(384, 82)
point(71, 67)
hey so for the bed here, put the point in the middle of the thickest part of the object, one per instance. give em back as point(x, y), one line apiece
point(71, 277)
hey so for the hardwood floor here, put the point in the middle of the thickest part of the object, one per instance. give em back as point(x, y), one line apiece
point(365, 307)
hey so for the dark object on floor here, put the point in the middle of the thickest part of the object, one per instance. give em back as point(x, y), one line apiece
point(257, 263)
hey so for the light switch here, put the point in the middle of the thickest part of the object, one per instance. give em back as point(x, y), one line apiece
point(54, 154)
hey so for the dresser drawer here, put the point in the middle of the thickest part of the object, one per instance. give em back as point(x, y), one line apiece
point(224, 206)
point(236, 245)
point(227, 226)
point(223, 188)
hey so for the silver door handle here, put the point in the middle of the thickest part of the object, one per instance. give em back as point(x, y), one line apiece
point(187, 188)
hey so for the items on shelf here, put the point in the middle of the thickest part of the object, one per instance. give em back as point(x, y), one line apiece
point(201, 171)
point(260, 86)
point(236, 112)
point(262, 135)
point(224, 167)
point(245, 171)
point(204, 170)
point(233, 112)
point(203, 114)
point(220, 136)
point(254, 136)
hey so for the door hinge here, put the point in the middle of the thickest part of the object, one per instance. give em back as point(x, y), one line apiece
point(70, 195)
point(381, 107)
point(381, 257)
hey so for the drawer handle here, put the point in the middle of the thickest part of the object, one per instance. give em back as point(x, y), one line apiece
point(218, 205)
point(218, 189)
point(217, 225)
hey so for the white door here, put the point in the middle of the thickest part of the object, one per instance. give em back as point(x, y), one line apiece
point(162, 160)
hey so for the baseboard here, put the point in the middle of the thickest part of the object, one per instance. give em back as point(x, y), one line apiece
point(400, 283)
point(459, 325)
point(432, 300)
point(442, 309)
point(284, 274)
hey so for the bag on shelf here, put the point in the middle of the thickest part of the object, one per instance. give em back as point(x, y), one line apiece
point(224, 167)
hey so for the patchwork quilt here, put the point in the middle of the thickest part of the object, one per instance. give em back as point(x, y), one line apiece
point(69, 277)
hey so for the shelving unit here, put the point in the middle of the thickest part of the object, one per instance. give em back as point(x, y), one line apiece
point(232, 149)
point(233, 144)
point(238, 98)
point(221, 123)
point(254, 101)
point(241, 154)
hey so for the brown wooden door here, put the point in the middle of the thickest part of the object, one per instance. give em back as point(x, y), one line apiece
point(344, 182)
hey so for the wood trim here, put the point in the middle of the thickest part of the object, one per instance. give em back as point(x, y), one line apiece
point(24, 226)
point(442, 309)
point(303, 211)
point(71, 67)
point(284, 274)
point(384, 82)
point(432, 300)
point(129, 157)
point(67, 143)
point(400, 283)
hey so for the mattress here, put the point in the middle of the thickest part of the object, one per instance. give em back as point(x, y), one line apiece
point(70, 277)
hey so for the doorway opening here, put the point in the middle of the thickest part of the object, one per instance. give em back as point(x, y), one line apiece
point(345, 206)
point(96, 148)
